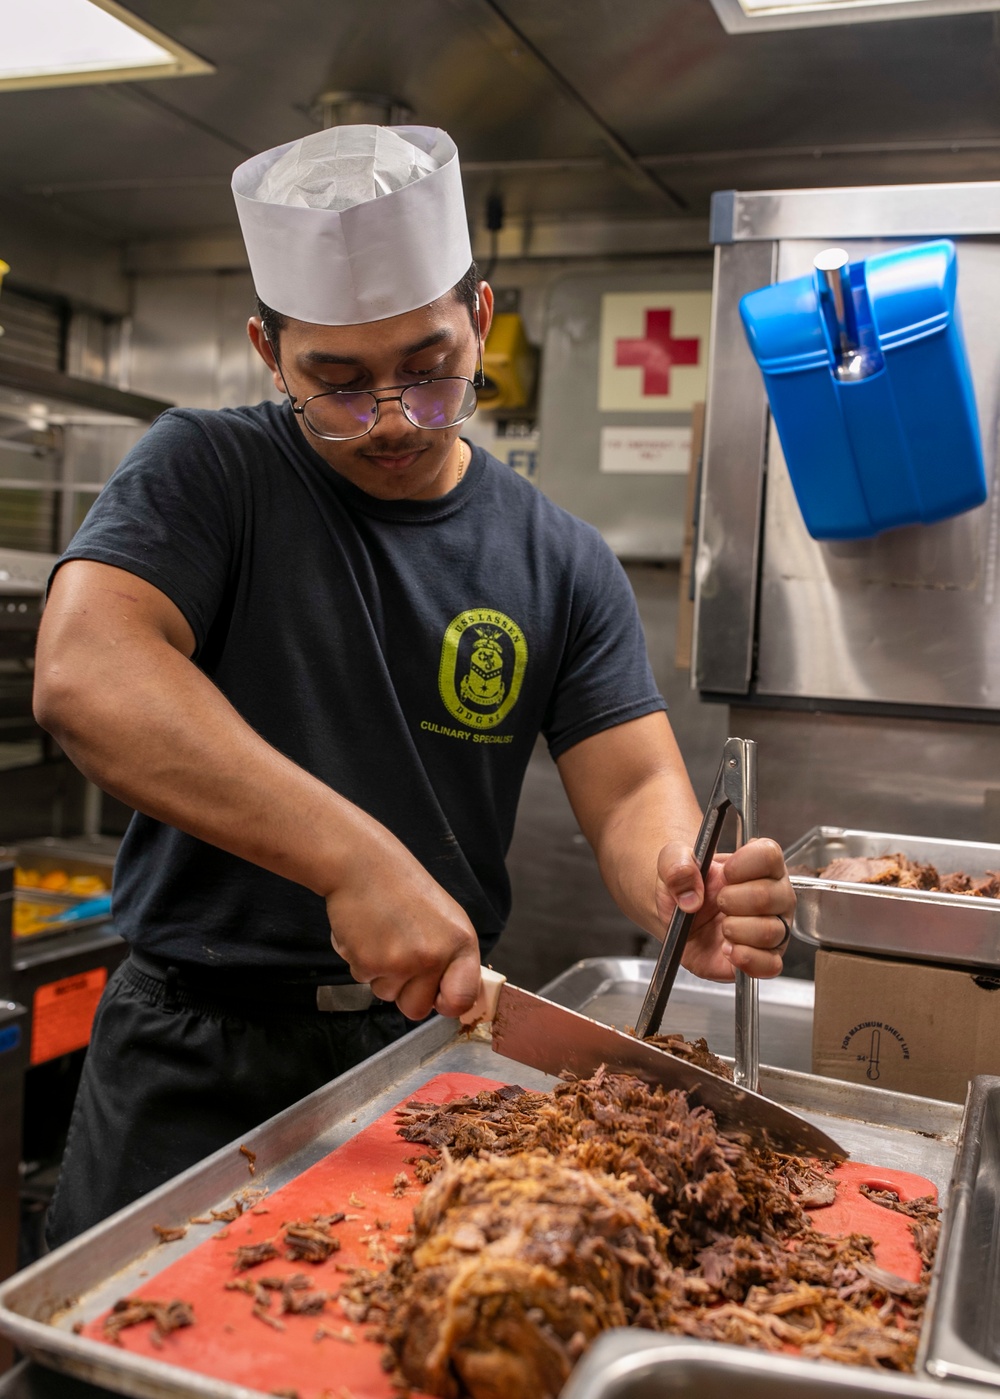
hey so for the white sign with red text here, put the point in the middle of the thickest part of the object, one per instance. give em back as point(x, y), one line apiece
point(650, 450)
point(654, 351)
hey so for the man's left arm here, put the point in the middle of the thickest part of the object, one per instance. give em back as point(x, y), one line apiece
point(631, 794)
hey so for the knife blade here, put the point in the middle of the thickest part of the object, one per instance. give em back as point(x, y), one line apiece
point(548, 1037)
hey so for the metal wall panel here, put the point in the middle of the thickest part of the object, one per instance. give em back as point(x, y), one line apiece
point(732, 482)
point(189, 341)
point(641, 517)
point(910, 617)
point(874, 772)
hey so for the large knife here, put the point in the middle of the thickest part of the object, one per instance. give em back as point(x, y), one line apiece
point(555, 1040)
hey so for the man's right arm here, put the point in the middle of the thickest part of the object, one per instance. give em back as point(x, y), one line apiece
point(116, 686)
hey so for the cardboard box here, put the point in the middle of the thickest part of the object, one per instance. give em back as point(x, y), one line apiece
point(913, 1027)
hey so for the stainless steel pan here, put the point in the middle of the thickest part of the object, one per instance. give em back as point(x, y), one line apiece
point(907, 923)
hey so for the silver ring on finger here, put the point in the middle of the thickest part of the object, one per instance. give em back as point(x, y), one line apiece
point(780, 947)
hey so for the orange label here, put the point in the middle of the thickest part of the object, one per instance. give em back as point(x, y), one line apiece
point(63, 1013)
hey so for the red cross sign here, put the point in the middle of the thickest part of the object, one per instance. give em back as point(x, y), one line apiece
point(656, 353)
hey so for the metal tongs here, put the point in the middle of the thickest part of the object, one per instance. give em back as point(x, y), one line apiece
point(736, 787)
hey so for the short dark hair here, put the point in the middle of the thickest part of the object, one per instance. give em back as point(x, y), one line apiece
point(465, 291)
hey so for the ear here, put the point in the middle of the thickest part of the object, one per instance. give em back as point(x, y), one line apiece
point(262, 345)
point(485, 309)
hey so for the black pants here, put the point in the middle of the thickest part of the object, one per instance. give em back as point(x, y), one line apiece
point(176, 1070)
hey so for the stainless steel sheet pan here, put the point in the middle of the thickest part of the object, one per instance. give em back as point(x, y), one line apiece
point(645, 1365)
point(77, 1282)
point(908, 923)
point(962, 1329)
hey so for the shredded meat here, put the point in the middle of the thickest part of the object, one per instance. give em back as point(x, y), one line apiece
point(926, 1225)
point(903, 873)
point(260, 1311)
point(923, 1207)
point(553, 1216)
point(695, 1052)
point(256, 1290)
point(323, 1333)
point(517, 1263)
point(301, 1303)
point(130, 1311)
point(310, 1241)
point(168, 1234)
point(252, 1255)
point(925, 1236)
point(698, 1178)
point(296, 1282)
point(812, 1188)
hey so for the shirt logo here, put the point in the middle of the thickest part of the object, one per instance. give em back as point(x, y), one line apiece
point(483, 658)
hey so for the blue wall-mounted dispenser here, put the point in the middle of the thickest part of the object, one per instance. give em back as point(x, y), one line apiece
point(868, 380)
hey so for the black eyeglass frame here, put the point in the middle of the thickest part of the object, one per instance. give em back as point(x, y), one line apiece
point(478, 382)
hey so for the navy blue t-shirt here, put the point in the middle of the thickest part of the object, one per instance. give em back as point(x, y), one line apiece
point(406, 653)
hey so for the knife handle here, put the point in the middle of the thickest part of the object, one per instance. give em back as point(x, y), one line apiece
point(485, 1006)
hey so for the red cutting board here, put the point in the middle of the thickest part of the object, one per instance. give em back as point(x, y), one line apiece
point(228, 1343)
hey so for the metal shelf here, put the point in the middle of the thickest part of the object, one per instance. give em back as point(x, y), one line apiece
point(48, 383)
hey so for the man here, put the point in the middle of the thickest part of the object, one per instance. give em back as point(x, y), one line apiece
point(313, 645)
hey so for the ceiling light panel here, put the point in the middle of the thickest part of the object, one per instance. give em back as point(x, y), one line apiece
point(59, 43)
point(754, 16)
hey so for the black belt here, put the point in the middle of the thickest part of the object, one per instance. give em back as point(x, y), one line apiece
point(239, 990)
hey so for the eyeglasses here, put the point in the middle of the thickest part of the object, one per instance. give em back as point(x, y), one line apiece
point(340, 415)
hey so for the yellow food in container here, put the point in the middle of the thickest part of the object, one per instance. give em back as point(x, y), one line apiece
point(31, 917)
point(35, 915)
point(59, 882)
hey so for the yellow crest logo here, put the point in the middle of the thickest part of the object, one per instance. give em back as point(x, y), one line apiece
point(483, 658)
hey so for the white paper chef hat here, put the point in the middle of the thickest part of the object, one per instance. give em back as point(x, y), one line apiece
point(354, 224)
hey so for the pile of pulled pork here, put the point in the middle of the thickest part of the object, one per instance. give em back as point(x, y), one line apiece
point(550, 1217)
point(900, 872)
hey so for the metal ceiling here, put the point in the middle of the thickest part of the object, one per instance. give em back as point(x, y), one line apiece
point(566, 108)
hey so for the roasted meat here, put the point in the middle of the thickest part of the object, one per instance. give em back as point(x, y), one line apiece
point(252, 1255)
point(553, 1216)
point(697, 1177)
point(695, 1052)
point(131, 1311)
point(859, 869)
point(516, 1264)
point(903, 873)
point(309, 1241)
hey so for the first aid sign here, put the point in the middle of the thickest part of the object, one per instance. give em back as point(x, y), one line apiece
point(654, 351)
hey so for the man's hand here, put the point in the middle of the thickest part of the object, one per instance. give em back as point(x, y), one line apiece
point(398, 930)
point(738, 927)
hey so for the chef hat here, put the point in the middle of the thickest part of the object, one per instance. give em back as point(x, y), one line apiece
point(354, 224)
